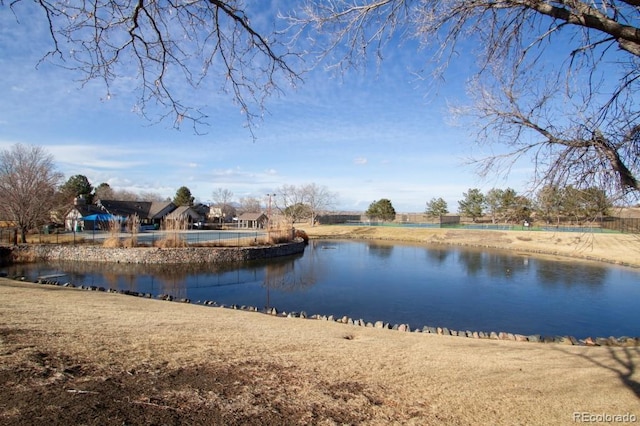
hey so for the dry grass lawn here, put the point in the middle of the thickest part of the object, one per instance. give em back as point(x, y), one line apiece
point(69, 356)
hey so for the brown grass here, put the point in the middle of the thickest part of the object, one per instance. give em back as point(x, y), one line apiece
point(76, 357)
point(112, 242)
point(606, 247)
point(170, 240)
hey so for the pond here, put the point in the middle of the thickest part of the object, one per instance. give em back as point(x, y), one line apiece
point(455, 287)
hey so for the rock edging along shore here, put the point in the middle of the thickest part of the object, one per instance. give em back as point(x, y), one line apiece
point(443, 331)
point(150, 255)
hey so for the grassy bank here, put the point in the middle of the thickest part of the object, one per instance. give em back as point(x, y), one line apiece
point(622, 249)
point(76, 357)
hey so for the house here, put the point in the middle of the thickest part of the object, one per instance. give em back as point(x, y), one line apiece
point(183, 217)
point(73, 219)
point(252, 220)
point(149, 213)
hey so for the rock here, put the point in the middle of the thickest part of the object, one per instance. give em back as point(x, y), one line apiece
point(378, 324)
point(493, 335)
point(520, 338)
point(402, 327)
point(565, 340)
point(589, 341)
point(445, 331)
point(534, 338)
point(626, 341)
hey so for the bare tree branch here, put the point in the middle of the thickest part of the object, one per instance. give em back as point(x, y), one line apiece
point(207, 45)
point(556, 81)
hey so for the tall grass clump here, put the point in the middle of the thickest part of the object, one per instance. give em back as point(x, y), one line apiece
point(114, 227)
point(133, 227)
point(281, 234)
point(172, 237)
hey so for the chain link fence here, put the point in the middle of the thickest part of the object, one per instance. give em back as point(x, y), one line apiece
point(229, 238)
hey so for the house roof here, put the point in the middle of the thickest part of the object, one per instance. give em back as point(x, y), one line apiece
point(183, 212)
point(252, 216)
point(85, 210)
point(144, 209)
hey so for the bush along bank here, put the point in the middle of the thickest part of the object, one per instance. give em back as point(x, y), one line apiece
point(443, 331)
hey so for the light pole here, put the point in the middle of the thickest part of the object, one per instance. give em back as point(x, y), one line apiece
point(269, 215)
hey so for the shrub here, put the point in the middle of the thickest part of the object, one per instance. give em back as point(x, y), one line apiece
point(170, 241)
point(301, 234)
point(112, 242)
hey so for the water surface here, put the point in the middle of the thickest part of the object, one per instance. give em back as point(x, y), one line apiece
point(458, 288)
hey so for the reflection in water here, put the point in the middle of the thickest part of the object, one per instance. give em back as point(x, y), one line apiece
point(381, 250)
point(572, 274)
point(452, 287)
point(472, 261)
point(439, 255)
point(289, 276)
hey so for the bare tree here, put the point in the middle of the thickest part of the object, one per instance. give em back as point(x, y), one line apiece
point(288, 200)
point(207, 44)
point(151, 196)
point(222, 198)
point(556, 81)
point(28, 182)
point(250, 205)
point(103, 192)
point(304, 201)
point(318, 199)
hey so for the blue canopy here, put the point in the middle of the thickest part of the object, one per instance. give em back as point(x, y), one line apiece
point(103, 217)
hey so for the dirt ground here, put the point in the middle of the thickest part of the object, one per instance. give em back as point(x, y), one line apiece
point(70, 356)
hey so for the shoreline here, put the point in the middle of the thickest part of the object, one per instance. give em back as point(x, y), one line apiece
point(616, 249)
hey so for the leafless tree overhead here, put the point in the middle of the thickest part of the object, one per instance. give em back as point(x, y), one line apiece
point(161, 45)
point(28, 183)
point(556, 81)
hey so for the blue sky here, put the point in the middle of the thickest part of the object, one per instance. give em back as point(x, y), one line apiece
point(364, 135)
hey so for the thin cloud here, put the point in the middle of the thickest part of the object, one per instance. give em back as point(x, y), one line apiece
point(360, 161)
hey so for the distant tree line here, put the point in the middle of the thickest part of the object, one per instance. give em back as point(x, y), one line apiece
point(33, 194)
point(550, 204)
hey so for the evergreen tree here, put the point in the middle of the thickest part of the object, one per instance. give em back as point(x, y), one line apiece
point(436, 207)
point(382, 210)
point(473, 204)
point(183, 197)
